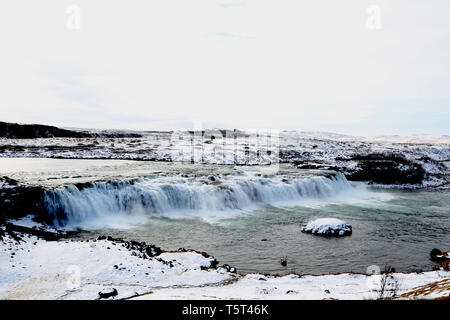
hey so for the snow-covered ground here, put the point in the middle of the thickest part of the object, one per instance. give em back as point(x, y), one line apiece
point(345, 286)
point(37, 269)
point(179, 144)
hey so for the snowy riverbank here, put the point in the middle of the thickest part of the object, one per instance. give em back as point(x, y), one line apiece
point(64, 269)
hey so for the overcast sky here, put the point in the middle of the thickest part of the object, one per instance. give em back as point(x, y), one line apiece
point(158, 64)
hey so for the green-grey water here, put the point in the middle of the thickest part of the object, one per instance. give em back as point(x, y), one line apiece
point(399, 233)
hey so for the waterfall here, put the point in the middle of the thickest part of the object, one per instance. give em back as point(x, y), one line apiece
point(72, 205)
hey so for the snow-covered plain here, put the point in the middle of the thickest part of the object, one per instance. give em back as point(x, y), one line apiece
point(345, 286)
point(37, 269)
point(178, 145)
point(238, 147)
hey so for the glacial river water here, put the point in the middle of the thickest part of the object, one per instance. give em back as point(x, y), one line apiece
point(243, 217)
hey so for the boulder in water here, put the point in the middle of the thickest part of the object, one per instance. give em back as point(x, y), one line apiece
point(441, 257)
point(328, 227)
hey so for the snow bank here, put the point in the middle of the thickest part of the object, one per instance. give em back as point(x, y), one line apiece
point(325, 287)
point(37, 269)
point(328, 227)
point(192, 259)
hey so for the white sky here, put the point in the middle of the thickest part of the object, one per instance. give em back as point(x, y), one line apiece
point(160, 64)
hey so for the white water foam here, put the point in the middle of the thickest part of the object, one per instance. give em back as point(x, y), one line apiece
point(115, 204)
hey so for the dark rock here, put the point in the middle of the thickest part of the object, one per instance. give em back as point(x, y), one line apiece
point(229, 268)
point(20, 200)
point(42, 234)
point(107, 293)
point(443, 258)
point(437, 255)
point(141, 247)
point(386, 168)
point(436, 268)
point(13, 235)
point(262, 279)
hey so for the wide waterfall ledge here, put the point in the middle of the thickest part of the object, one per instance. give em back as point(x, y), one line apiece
point(328, 227)
point(174, 196)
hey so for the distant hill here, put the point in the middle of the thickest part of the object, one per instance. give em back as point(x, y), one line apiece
point(31, 131)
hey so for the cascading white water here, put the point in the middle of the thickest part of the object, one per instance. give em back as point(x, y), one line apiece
point(72, 206)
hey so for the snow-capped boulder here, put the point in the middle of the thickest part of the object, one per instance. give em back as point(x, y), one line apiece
point(328, 227)
point(108, 293)
point(439, 256)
